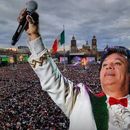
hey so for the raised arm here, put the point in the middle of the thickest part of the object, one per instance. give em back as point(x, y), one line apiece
point(58, 87)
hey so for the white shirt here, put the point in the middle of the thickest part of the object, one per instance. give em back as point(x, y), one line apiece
point(119, 116)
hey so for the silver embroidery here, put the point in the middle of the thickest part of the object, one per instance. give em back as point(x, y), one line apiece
point(120, 117)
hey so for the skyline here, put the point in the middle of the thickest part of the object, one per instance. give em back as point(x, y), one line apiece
point(108, 20)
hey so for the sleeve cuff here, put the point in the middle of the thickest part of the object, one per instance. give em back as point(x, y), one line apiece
point(36, 46)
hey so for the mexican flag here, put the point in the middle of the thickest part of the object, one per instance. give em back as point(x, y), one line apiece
point(59, 41)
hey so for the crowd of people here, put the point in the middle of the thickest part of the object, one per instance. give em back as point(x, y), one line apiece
point(88, 75)
point(25, 106)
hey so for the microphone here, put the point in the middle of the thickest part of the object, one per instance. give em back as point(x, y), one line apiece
point(31, 6)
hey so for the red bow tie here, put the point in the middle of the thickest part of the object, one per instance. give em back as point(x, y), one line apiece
point(123, 101)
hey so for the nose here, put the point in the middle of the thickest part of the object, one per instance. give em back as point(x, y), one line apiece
point(110, 66)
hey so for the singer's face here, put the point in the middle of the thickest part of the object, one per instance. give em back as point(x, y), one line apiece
point(114, 72)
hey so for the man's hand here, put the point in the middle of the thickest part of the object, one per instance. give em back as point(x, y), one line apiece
point(32, 28)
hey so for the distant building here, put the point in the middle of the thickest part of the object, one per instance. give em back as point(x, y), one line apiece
point(88, 50)
point(94, 43)
point(85, 48)
point(23, 49)
point(73, 47)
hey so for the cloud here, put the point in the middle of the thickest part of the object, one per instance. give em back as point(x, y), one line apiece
point(107, 19)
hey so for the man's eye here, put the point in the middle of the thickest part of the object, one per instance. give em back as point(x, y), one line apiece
point(117, 63)
point(104, 65)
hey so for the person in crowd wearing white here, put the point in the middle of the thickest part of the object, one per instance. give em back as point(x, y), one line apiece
point(85, 111)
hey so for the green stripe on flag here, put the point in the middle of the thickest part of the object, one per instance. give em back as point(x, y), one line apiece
point(62, 37)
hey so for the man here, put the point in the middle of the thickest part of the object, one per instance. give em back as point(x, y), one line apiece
point(85, 111)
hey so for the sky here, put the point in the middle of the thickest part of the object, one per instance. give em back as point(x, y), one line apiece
point(108, 20)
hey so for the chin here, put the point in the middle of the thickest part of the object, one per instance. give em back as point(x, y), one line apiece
point(110, 80)
point(109, 83)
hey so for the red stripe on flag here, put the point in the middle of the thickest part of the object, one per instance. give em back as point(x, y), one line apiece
point(55, 46)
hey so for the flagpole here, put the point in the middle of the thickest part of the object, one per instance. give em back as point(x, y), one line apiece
point(64, 49)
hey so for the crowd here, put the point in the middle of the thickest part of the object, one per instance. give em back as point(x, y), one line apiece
point(89, 75)
point(25, 106)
